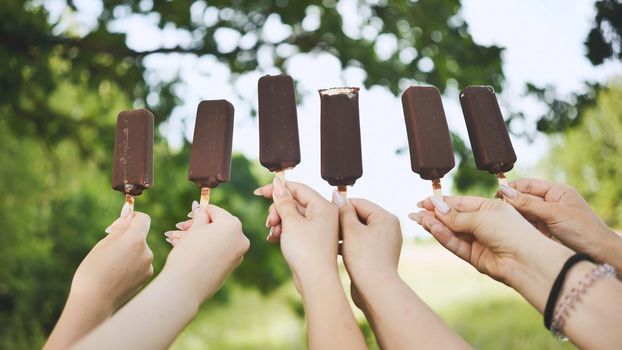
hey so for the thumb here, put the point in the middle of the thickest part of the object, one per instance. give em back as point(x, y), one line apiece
point(347, 213)
point(452, 219)
point(527, 204)
point(284, 203)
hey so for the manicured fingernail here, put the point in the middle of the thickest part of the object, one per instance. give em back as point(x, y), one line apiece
point(268, 222)
point(339, 199)
point(125, 211)
point(180, 225)
point(439, 204)
point(508, 191)
point(269, 235)
point(257, 192)
point(278, 190)
point(416, 217)
point(420, 204)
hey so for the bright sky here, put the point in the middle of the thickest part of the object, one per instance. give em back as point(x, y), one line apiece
point(544, 45)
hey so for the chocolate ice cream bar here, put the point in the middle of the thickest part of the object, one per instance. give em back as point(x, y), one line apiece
point(488, 133)
point(210, 156)
point(279, 148)
point(341, 161)
point(132, 167)
point(431, 155)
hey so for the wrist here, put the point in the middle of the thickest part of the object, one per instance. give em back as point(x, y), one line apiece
point(90, 303)
point(533, 274)
point(612, 246)
point(183, 285)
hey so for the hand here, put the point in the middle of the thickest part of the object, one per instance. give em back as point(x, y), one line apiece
point(109, 275)
point(372, 240)
point(493, 237)
point(309, 234)
point(206, 249)
point(309, 237)
point(117, 266)
point(560, 211)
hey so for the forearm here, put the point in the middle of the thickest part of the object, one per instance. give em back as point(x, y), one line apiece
point(401, 320)
point(590, 323)
point(330, 321)
point(151, 320)
point(79, 317)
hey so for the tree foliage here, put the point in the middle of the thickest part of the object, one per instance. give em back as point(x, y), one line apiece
point(589, 155)
point(63, 83)
point(604, 42)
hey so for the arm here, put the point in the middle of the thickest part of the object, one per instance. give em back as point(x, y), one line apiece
point(372, 240)
point(108, 276)
point(559, 211)
point(307, 227)
point(497, 241)
point(202, 258)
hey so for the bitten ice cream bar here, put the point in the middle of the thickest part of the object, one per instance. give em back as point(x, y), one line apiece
point(132, 166)
point(341, 160)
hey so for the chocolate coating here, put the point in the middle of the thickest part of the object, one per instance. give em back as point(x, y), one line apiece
point(431, 155)
point(210, 156)
point(341, 162)
point(279, 148)
point(488, 133)
point(132, 166)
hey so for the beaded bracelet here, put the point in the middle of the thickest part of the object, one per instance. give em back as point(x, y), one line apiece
point(563, 308)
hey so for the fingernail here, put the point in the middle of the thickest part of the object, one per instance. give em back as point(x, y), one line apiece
point(439, 204)
point(269, 235)
point(420, 204)
point(267, 222)
point(180, 226)
point(278, 190)
point(257, 192)
point(508, 191)
point(416, 217)
point(125, 211)
point(339, 199)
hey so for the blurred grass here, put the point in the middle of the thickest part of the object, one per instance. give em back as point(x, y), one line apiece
point(487, 314)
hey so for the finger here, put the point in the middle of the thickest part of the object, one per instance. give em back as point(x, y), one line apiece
point(200, 215)
point(139, 226)
point(528, 204)
point(454, 220)
point(284, 202)
point(303, 194)
point(173, 241)
point(175, 234)
point(215, 213)
point(445, 237)
point(275, 234)
point(460, 203)
point(368, 212)
point(348, 218)
point(184, 225)
point(535, 187)
point(273, 217)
